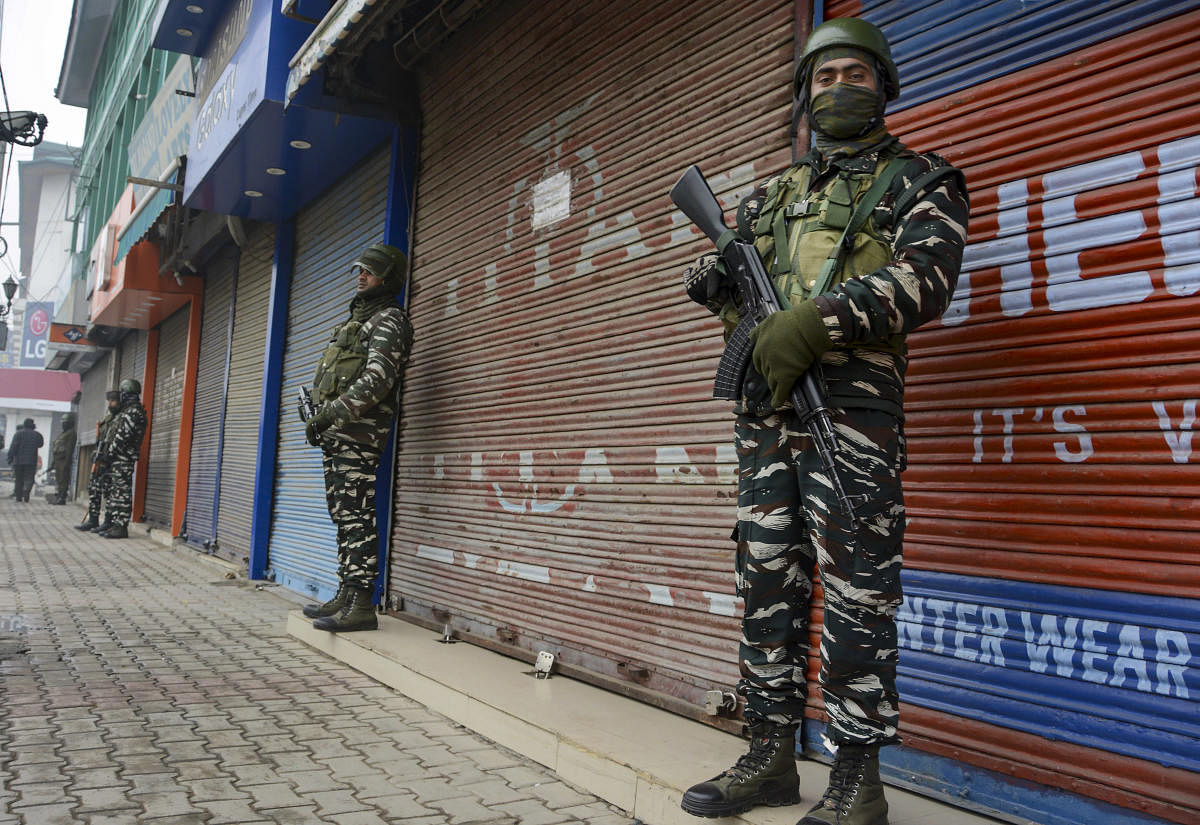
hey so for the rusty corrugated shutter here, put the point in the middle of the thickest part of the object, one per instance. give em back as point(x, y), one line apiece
point(1050, 628)
point(564, 481)
point(164, 418)
point(246, 362)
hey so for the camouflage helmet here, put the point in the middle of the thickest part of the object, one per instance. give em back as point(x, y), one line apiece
point(856, 33)
point(131, 385)
point(388, 263)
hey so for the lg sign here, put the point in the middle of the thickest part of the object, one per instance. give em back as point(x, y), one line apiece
point(37, 329)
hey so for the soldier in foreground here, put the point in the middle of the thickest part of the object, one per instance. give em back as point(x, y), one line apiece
point(62, 452)
point(98, 478)
point(357, 392)
point(863, 241)
point(124, 442)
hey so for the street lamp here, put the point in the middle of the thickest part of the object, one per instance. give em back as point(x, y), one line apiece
point(10, 290)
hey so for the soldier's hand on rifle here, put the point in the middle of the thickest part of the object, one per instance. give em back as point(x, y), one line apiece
point(706, 282)
point(786, 344)
point(319, 423)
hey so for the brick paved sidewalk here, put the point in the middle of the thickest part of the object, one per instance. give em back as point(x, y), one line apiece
point(139, 685)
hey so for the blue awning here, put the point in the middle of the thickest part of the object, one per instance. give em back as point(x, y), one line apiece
point(142, 219)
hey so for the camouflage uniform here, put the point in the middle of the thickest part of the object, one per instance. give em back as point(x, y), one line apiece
point(788, 519)
point(98, 479)
point(61, 455)
point(124, 444)
point(357, 379)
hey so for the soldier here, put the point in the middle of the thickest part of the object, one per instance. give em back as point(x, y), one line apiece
point(62, 452)
point(894, 270)
point(357, 392)
point(98, 478)
point(125, 435)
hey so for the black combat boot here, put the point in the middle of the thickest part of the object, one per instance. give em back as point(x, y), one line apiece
point(766, 775)
point(102, 526)
point(87, 525)
point(356, 614)
point(320, 611)
point(855, 792)
point(117, 531)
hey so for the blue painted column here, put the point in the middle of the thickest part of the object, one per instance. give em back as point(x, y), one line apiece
point(396, 231)
point(268, 412)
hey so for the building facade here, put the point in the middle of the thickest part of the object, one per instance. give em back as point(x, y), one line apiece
point(560, 479)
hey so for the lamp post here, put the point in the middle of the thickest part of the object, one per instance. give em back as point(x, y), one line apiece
point(10, 290)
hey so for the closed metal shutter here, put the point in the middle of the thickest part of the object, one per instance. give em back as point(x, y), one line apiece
point(93, 405)
point(1050, 629)
point(329, 233)
point(133, 357)
point(245, 393)
point(212, 369)
point(565, 481)
point(164, 418)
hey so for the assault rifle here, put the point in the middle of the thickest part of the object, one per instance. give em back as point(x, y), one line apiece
point(305, 405)
point(759, 299)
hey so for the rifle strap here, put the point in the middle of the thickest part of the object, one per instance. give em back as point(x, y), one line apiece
point(857, 221)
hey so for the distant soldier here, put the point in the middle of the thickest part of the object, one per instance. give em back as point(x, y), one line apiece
point(61, 455)
point(124, 444)
point(98, 478)
point(23, 456)
point(356, 395)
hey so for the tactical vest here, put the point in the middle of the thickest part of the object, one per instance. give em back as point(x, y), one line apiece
point(812, 241)
point(344, 359)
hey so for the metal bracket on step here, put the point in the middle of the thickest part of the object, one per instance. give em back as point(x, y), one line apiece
point(719, 703)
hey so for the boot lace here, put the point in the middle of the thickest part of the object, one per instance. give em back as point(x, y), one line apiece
point(847, 770)
point(762, 749)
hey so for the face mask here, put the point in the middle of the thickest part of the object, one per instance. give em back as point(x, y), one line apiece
point(844, 111)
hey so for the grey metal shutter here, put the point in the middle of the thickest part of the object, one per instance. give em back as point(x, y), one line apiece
point(164, 418)
point(329, 233)
point(93, 406)
point(564, 481)
point(216, 326)
point(133, 357)
point(244, 398)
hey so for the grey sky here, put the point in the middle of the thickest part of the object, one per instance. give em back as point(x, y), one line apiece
point(33, 35)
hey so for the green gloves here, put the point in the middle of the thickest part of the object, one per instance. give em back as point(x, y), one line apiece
point(319, 423)
point(786, 344)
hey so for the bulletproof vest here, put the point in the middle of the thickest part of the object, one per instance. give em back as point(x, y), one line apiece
point(798, 231)
point(344, 359)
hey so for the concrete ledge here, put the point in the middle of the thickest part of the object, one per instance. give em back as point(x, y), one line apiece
point(630, 754)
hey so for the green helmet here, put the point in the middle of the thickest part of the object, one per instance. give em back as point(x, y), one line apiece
point(848, 31)
point(131, 385)
point(388, 263)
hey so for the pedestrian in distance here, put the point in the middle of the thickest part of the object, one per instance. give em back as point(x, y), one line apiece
point(122, 448)
point(356, 391)
point(862, 239)
point(23, 456)
point(98, 474)
point(62, 454)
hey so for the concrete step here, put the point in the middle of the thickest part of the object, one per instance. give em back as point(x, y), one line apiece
point(635, 756)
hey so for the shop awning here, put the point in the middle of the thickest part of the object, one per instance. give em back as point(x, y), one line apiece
point(143, 217)
point(334, 27)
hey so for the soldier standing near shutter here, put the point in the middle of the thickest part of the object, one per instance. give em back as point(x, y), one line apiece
point(61, 455)
point(356, 390)
point(124, 443)
point(863, 239)
point(98, 479)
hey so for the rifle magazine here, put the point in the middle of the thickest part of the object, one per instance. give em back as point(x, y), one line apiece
point(731, 370)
